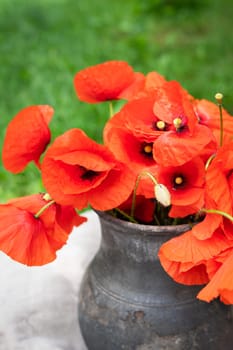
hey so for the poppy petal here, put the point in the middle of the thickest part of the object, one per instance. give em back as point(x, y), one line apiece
point(174, 102)
point(26, 138)
point(195, 274)
point(205, 229)
point(221, 284)
point(187, 248)
point(24, 239)
point(172, 149)
point(104, 81)
point(117, 188)
point(208, 114)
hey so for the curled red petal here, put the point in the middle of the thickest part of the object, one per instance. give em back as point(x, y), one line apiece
point(26, 138)
point(187, 248)
point(185, 258)
point(221, 284)
point(116, 187)
point(207, 227)
point(191, 274)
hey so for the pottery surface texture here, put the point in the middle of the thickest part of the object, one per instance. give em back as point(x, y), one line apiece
point(128, 302)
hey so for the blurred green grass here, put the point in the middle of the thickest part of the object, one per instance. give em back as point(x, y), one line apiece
point(45, 42)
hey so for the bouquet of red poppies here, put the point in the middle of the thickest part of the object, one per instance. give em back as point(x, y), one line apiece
point(166, 159)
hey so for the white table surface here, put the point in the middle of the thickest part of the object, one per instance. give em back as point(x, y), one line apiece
point(39, 304)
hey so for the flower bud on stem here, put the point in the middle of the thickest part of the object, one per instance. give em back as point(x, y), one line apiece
point(219, 98)
point(161, 192)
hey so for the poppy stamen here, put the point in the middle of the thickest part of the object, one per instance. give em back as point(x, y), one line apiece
point(179, 180)
point(160, 125)
point(177, 122)
point(148, 149)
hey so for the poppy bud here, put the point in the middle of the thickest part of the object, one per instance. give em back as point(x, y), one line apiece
point(162, 195)
point(47, 197)
point(219, 97)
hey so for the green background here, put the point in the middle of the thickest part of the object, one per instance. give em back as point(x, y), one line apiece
point(44, 43)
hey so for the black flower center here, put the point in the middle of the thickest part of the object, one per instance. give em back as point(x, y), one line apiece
point(88, 174)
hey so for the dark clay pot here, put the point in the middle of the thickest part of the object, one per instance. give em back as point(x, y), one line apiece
point(128, 302)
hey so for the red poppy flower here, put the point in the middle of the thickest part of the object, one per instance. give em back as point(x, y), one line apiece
point(107, 81)
point(157, 111)
point(186, 186)
point(34, 240)
point(174, 107)
point(209, 115)
point(184, 139)
point(27, 136)
point(184, 257)
point(77, 171)
point(139, 118)
point(165, 118)
point(221, 285)
point(129, 149)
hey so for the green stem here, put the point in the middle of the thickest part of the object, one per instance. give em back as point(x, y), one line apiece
point(145, 173)
point(221, 124)
point(209, 161)
point(134, 196)
point(43, 209)
point(151, 177)
point(111, 111)
point(128, 217)
point(216, 211)
point(156, 220)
